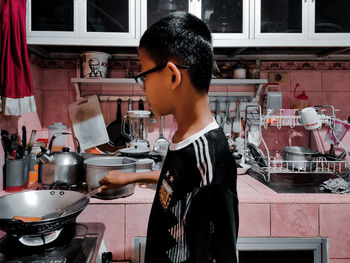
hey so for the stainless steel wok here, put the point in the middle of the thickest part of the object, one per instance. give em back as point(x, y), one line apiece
point(38, 204)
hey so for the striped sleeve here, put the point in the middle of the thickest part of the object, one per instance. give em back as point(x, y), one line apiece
point(203, 159)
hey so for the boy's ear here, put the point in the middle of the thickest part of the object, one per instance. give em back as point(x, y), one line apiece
point(175, 74)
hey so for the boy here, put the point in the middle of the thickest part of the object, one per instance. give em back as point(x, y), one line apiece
point(194, 216)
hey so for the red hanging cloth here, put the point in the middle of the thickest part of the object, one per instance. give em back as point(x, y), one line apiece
point(16, 96)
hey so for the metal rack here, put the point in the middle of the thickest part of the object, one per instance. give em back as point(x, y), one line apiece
point(273, 164)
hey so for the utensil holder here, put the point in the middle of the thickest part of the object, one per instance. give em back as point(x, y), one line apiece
point(16, 174)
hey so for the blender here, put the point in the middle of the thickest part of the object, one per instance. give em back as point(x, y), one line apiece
point(135, 127)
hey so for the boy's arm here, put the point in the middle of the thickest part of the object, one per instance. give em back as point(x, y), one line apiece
point(116, 178)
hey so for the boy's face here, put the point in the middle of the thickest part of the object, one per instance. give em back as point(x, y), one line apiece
point(155, 85)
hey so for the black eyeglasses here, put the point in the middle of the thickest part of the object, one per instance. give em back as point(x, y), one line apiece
point(140, 78)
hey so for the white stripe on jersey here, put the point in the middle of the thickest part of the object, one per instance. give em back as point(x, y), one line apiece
point(204, 180)
point(209, 164)
point(204, 164)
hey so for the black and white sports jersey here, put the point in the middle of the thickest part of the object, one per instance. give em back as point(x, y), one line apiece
point(194, 216)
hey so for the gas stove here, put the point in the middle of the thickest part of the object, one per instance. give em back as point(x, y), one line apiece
point(76, 243)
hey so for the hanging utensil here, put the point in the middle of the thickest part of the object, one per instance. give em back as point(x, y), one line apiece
point(116, 139)
point(141, 105)
point(218, 116)
point(161, 144)
point(236, 125)
point(227, 120)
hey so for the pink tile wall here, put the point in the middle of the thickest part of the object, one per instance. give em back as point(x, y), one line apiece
point(113, 218)
point(136, 221)
point(294, 220)
point(323, 87)
point(53, 92)
point(255, 220)
point(335, 224)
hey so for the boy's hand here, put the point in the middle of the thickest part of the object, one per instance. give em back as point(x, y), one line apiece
point(113, 180)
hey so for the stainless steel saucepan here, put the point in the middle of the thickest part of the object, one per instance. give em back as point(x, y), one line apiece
point(39, 204)
point(300, 158)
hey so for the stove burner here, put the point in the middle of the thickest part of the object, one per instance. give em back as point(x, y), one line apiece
point(39, 240)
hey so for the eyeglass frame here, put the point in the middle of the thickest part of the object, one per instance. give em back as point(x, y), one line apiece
point(140, 78)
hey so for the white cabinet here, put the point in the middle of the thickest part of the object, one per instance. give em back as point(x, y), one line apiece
point(283, 19)
point(83, 22)
point(329, 20)
point(234, 23)
point(227, 19)
point(153, 10)
point(302, 22)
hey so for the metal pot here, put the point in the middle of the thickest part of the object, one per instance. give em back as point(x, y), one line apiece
point(97, 168)
point(300, 158)
point(65, 166)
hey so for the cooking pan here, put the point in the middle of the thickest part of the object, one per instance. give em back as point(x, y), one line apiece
point(38, 204)
point(116, 139)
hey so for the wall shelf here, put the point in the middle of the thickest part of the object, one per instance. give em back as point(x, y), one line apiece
point(78, 82)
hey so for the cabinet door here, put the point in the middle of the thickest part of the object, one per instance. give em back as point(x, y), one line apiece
point(330, 19)
point(280, 19)
point(153, 10)
point(107, 16)
point(51, 18)
point(105, 21)
point(227, 19)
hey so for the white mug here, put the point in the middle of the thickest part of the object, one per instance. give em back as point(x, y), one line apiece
point(310, 118)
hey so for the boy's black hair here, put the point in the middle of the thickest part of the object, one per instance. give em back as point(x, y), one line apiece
point(185, 39)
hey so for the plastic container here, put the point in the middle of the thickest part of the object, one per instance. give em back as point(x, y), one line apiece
point(94, 64)
point(239, 70)
point(57, 127)
point(16, 174)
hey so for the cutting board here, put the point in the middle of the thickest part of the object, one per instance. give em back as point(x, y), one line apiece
point(88, 123)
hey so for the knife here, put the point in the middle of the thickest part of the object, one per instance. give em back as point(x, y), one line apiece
point(24, 137)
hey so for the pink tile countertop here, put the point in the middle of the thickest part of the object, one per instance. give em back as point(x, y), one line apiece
point(250, 191)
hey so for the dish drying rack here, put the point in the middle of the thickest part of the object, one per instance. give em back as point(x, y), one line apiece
point(271, 165)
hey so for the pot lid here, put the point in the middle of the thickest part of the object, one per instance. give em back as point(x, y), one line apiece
point(135, 151)
point(138, 113)
point(111, 161)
